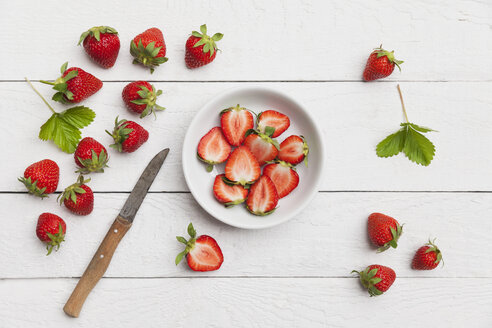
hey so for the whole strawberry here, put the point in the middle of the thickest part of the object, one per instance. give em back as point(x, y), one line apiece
point(74, 85)
point(128, 136)
point(376, 278)
point(102, 44)
point(202, 252)
point(427, 257)
point(384, 231)
point(201, 48)
point(90, 156)
point(51, 229)
point(149, 48)
point(380, 64)
point(78, 198)
point(41, 178)
point(140, 97)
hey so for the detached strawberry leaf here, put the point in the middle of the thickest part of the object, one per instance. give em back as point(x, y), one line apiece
point(64, 128)
point(412, 143)
point(418, 148)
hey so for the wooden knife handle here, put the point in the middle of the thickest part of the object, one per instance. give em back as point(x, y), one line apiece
point(97, 267)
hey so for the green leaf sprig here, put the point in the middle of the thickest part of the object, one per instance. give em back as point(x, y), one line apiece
point(409, 140)
point(64, 128)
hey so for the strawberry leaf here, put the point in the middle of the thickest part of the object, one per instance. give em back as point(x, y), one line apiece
point(64, 128)
point(391, 145)
point(418, 148)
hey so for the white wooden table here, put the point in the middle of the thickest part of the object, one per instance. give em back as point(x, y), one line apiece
point(296, 274)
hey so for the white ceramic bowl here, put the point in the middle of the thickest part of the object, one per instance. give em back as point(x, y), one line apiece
point(257, 99)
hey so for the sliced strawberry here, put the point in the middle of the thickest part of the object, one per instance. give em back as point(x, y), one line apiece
point(229, 195)
point(202, 253)
point(213, 148)
point(242, 167)
point(293, 150)
point(271, 118)
point(283, 176)
point(235, 121)
point(262, 146)
point(263, 197)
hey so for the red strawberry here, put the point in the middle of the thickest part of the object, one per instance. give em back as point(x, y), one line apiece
point(283, 176)
point(427, 257)
point(149, 48)
point(74, 85)
point(201, 48)
point(102, 44)
point(213, 148)
point(41, 178)
point(128, 136)
point(78, 198)
point(294, 150)
point(262, 146)
point(376, 278)
point(263, 197)
point(90, 156)
point(51, 229)
point(380, 64)
point(273, 119)
point(140, 97)
point(202, 253)
point(235, 121)
point(384, 231)
point(242, 167)
point(229, 195)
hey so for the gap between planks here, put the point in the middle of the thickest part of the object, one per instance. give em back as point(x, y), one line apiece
point(278, 81)
point(239, 277)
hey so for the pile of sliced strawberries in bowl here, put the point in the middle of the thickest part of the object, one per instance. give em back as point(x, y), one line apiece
point(246, 142)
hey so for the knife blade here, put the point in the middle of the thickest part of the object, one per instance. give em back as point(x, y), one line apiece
point(100, 262)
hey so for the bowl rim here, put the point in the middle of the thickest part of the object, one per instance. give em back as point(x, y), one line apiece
point(318, 132)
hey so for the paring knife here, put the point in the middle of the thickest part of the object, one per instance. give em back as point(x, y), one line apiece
point(100, 262)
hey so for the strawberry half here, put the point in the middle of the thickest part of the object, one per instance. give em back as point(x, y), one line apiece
point(229, 195)
point(213, 148)
point(263, 147)
point(263, 197)
point(284, 177)
point(202, 253)
point(242, 167)
point(294, 150)
point(235, 122)
point(273, 119)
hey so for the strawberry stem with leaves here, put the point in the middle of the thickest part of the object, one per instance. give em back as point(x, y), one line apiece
point(409, 140)
point(64, 128)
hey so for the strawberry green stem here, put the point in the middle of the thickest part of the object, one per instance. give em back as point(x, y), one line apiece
point(47, 104)
point(402, 103)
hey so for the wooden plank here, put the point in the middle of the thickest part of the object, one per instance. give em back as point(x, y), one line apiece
point(264, 40)
point(353, 116)
point(327, 239)
point(276, 302)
